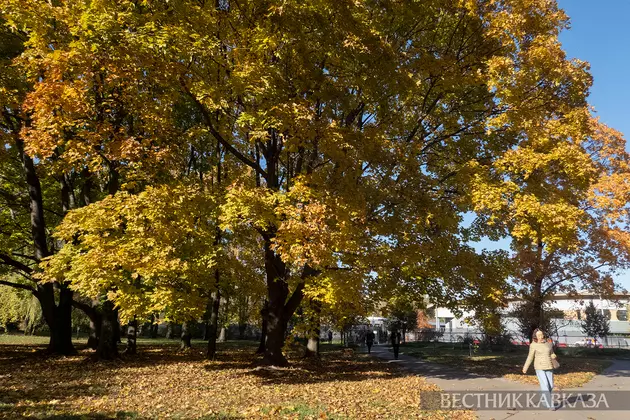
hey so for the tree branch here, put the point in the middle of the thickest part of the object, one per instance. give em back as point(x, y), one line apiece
point(298, 293)
point(88, 309)
point(18, 286)
point(14, 263)
point(28, 257)
point(294, 300)
point(208, 121)
point(557, 282)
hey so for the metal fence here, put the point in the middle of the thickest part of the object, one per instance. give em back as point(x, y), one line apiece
point(562, 340)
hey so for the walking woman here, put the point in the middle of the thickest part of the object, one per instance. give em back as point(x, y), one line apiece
point(541, 353)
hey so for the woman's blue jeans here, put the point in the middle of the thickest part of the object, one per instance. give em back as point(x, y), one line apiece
point(545, 378)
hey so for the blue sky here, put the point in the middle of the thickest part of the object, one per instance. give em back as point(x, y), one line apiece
point(599, 34)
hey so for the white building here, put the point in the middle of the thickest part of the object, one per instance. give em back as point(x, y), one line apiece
point(569, 328)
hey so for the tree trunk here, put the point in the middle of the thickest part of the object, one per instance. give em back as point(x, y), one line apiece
point(213, 324)
point(224, 331)
point(58, 317)
point(117, 332)
point(95, 332)
point(59, 320)
point(169, 330)
point(312, 346)
point(243, 316)
point(537, 298)
point(132, 335)
point(215, 300)
point(278, 315)
point(536, 317)
point(142, 329)
point(153, 329)
point(108, 343)
point(281, 306)
point(277, 291)
point(264, 314)
point(96, 319)
point(186, 337)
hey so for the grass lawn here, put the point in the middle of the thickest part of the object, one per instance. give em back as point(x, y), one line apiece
point(574, 371)
point(161, 382)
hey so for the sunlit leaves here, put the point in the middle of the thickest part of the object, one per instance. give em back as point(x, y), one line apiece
point(148, 253)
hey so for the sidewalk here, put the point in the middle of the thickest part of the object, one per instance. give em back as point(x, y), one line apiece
point(615, 377)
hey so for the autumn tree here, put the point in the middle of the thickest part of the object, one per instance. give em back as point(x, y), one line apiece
point(32, 201)
point(91, 121)
point(338, 146)
point(563, 203)
point(148, 253)
point(356, 133)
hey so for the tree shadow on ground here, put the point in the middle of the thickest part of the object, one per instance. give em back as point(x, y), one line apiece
point(161, 381)
point(328, 367)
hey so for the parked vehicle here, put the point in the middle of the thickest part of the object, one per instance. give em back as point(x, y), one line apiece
point(588, 342)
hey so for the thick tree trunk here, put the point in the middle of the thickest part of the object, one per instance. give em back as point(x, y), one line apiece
point(264, 314)
point(213, 324)
point(281, 306)
point(186, 336)
point(58, 317)
point(277, 292)
point(62, 335)
point(241, 331)
point(132, 335)
point(108, 343)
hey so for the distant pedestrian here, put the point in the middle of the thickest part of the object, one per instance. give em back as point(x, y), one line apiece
point(395, 338)
point(541, 353)
point(330, 335)
point(369, 340)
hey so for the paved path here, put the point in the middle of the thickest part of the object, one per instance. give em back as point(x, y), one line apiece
point(615, 377)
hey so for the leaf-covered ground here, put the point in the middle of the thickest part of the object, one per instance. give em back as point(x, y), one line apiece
point(573, 371)
point(161, 382)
